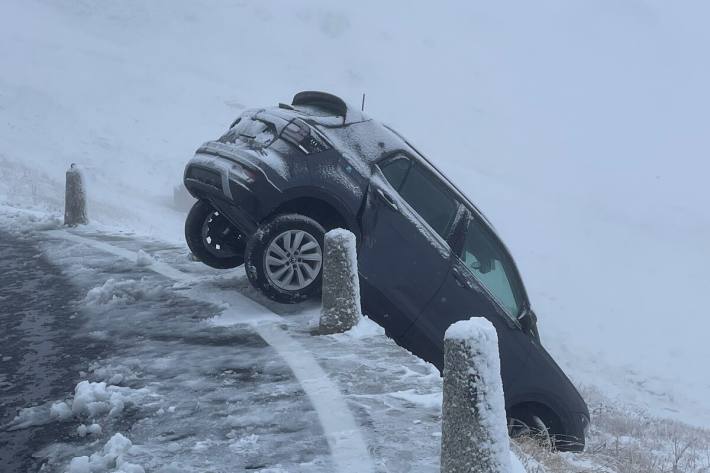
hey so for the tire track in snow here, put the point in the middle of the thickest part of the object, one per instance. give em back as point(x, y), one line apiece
point(342, 433)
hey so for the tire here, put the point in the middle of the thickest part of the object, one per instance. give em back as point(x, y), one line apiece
point(212, 238)
point(279, 250)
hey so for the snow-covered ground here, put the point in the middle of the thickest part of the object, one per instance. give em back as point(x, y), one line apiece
point(196, 375)
point(182, 368)
point(579, 128)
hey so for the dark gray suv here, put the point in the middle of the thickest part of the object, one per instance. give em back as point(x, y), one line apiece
point(281, 177)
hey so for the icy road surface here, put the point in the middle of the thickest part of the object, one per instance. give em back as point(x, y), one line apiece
point(41, 346)
point(163, 375)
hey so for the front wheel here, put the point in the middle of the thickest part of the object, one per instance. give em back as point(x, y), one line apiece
point(284, 258)
point(212, 238)
point(532, 426)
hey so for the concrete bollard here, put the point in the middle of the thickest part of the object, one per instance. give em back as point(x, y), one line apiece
point(474, 434)
point(341, 288)
point(75, 198)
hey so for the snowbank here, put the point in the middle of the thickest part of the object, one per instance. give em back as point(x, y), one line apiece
point(91, 401)
point(118, 292)
point(112, 458)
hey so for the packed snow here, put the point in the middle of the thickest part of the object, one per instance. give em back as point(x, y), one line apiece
point(112, 458)
point(91, 401)
point(190, 389)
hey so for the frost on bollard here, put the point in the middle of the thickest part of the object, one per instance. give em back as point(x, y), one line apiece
point(474, 434)
point(75, 198)
point(341, 287)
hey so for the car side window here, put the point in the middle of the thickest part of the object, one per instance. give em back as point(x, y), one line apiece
point(430, 199)
point(426, 194)
point(485, 257)
point(395, 170)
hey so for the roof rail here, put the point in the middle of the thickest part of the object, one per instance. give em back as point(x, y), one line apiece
point(323, 100)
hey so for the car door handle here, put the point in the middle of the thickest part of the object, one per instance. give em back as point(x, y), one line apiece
point(460, 279)
point(387, 199)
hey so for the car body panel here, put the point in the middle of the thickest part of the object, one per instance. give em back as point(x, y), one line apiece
point(386, 225)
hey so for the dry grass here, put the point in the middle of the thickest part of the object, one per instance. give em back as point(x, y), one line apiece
point(622, 440)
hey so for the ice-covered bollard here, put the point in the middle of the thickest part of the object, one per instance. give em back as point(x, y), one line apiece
point(75, 198)
point(474, 434)
point(341, 288)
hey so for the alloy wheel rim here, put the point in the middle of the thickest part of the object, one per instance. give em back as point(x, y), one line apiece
point(293, 260)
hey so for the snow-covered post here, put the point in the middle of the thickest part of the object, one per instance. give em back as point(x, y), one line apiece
point(75, 198)
point(474, 434)
point(341, 288)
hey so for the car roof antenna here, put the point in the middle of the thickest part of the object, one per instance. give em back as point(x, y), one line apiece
point(363, 102)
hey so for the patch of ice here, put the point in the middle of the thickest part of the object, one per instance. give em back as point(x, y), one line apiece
point(365, 328)
point(245, 444)
point(144, 259)
point(99, 334)
point(60, 410)
point(203, 445)
point(113, 374)
point(40, 415)
point(111, 458)
point(115, 379)
point(426, 400)
point(121, 292)
point(95, 399)
point(28, 417)
point(22, 220)
point(92, 429)
point(91, 400)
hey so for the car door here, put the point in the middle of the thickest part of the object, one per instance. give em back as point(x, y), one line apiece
point(481, 282)
point(403, 258)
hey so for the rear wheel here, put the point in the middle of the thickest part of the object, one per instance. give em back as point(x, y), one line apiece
point(284, 258)
point(212, 238)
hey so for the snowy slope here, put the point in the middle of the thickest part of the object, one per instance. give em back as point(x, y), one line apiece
point(577, 126)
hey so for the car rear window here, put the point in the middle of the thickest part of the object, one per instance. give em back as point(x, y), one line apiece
point(256, 133)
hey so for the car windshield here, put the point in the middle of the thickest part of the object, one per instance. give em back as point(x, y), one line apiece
point(486, 258)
